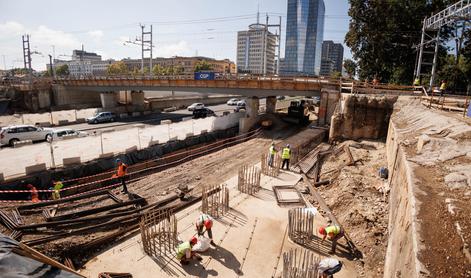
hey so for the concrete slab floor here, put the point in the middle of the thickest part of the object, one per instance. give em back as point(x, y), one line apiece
point(250, 238)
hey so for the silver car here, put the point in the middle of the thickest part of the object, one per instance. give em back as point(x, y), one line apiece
point(11, 134)
point(60, 134)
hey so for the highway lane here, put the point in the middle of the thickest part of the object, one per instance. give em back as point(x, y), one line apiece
point(151, 119)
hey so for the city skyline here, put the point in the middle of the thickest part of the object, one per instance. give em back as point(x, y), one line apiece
point(212, 33)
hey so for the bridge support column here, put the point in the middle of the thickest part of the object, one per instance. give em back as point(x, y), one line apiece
point(271, 105)
point(329, 100)
point(251, 114)
point(137, 98)
point(108, 100)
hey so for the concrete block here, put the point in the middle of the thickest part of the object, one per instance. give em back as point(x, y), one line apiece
point(173, 139)
point(204, 131)
point(2, 178)
point(80, 120)
point(136, 114)
point(131, 149)
point(44, 124)
point(63, 122)
point(71, 161)
point(106, 155)
point(35, 168)
point(153, 143)
point(108, 130)
point(124, 116)
point(22, 143)
point(189, 135)
point(165, 122)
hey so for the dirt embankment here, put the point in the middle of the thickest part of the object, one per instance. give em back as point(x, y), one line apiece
point(358, 198)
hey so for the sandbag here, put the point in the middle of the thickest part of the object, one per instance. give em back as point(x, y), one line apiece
point(202, 245)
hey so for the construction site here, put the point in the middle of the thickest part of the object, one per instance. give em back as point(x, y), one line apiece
point(392, 171)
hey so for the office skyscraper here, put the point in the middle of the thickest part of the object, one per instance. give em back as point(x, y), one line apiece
point(332, 53)
point(304, 36)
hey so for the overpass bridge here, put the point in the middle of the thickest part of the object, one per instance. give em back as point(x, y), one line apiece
point(247, 87)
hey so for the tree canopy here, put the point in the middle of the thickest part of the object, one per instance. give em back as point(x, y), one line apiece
point(382, 35)
point(203, 65)
point(350, 67)
point(62, 70)
point(117, 68)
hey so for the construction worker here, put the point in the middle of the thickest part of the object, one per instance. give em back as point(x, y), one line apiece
point(271, 154)
point(185, 253)
point(203, 224)
point(416, 82)
point(334, 233)
point(286, 155)
point(33, 193)
point(58, 185)
point(328, 267)
point(121, 174)
point(442, 87)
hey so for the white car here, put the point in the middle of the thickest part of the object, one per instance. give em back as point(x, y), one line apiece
point(11, 134)
point(232, 101)
point(240, 105)
point(195, 106)
point(59, 134)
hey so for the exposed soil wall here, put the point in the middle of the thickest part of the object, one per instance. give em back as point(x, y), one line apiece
point(362, 117)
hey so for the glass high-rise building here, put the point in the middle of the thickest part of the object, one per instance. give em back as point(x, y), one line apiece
point(304, 36)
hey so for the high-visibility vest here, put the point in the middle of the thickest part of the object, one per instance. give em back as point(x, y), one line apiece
point(182, 248)
point(57, 187)
point(286, 153)
point(416, 82)
point(335, 230)
point(122, 170)
point(272, 150)
point(34, 195)
point(443, 86)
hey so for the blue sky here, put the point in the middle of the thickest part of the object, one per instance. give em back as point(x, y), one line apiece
point(183, 27)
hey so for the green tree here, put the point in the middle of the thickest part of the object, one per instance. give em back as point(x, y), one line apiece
point(350, 67)
point(335, 74)
point(203, 65)
point(382, 33)
point(117, 68)
point(62, 70)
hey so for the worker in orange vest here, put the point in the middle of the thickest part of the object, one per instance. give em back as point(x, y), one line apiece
point(121, 174)
point(33, 192)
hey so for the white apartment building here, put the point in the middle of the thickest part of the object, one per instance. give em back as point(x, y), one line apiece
point(256, 50)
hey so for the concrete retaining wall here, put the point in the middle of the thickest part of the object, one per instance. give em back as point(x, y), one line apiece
point(68, 99)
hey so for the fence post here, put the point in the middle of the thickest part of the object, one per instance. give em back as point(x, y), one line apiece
point(139, 138)
point(101, 141)
point(53, 161)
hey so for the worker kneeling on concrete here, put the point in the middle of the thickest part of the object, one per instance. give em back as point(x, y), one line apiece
point(334, 233)
point(185, 252)
point(328, 267)
point(204, 223)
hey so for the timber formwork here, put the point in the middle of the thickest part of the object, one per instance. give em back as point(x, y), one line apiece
point(300, 264)
point(249, 179)
point(215, 200)
point(158, 232)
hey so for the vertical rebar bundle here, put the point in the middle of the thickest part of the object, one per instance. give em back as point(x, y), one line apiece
point(300, 225)
point(215, 200)
point(249, 179)
point(300, 264)
point(159, 232)
point(272, 170)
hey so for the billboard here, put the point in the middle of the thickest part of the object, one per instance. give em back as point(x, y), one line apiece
point(204, 75)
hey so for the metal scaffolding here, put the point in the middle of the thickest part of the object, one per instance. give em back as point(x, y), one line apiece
point(460, 11)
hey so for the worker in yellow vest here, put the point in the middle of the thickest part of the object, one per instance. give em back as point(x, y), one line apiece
point(286, 155)
point(443, 87)
point(416, 82)
point(334, 233)
point(58, 185)
point(271, 154)
point(185, 253)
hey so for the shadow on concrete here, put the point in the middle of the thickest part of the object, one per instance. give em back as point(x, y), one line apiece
point(169, 265)
point(320, 247)
point(195, 268)
point(226, 258)
point(233, 217)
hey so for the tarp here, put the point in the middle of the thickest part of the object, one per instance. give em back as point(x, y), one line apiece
point(13, 265)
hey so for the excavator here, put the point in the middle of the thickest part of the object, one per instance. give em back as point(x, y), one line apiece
point(299, 111)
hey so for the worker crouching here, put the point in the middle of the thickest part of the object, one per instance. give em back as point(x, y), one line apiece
point(334, 233)
point(185, 252)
